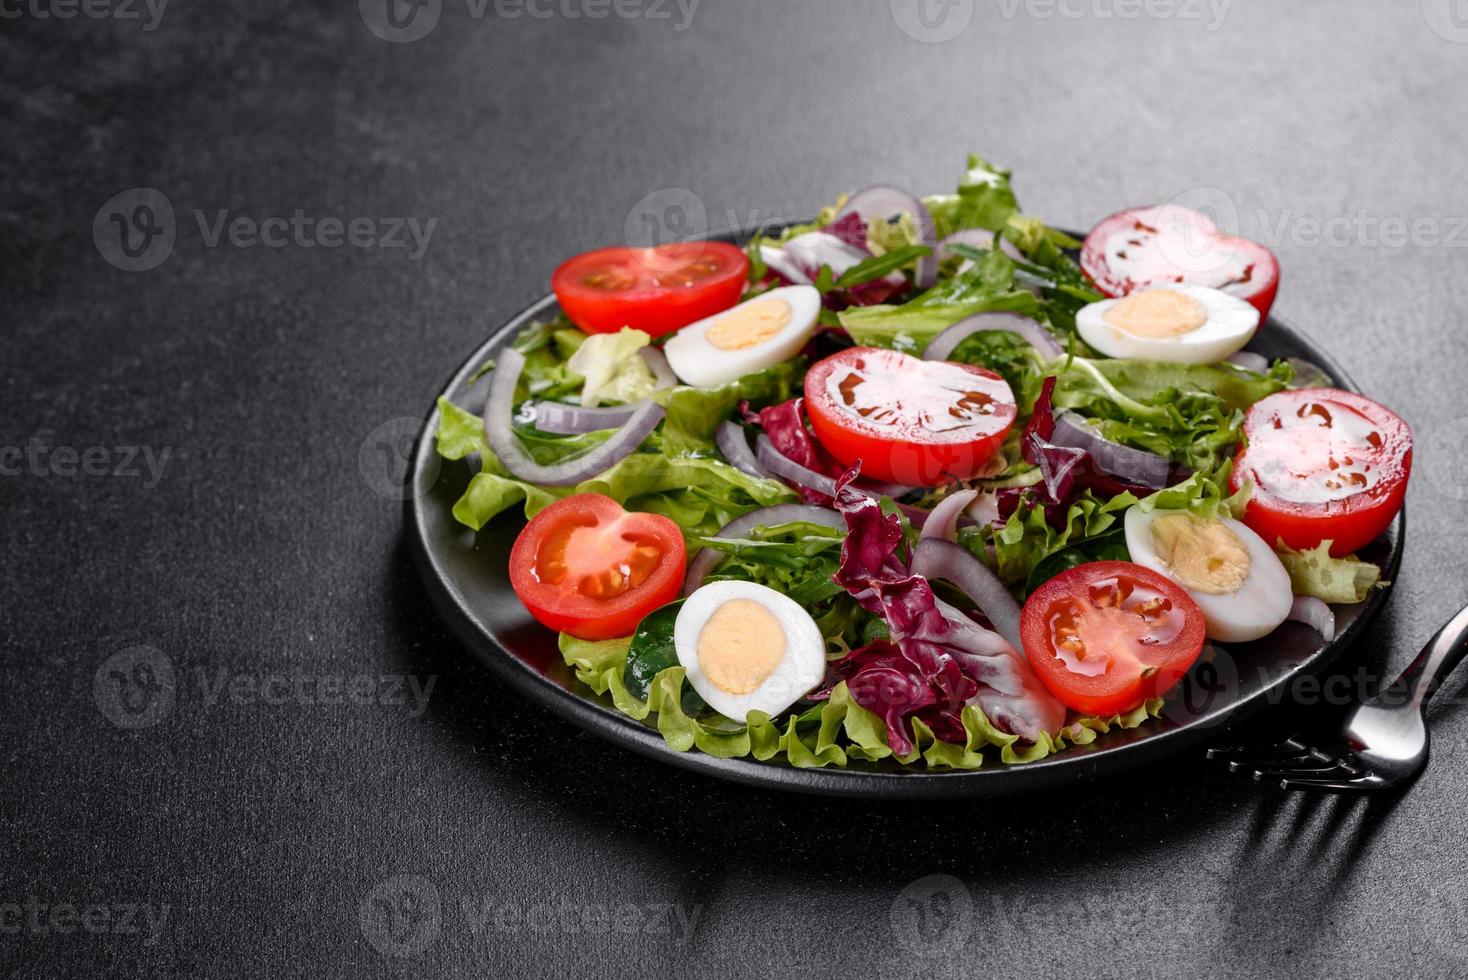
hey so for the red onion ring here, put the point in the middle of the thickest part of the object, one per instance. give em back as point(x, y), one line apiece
point(499, 408)
point(936, 558)
point(941, 347)
point(1314, 613)
point(943, 520)
point(1124, 462)
point(882, 202)
point(732, 443)
point(789, 470)
point(708, 559)
point(980, 238)
point(561, 419)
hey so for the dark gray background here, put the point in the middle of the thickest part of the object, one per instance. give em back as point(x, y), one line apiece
point(270, 546)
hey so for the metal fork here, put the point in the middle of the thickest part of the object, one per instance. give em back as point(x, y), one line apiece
point(1384, 742)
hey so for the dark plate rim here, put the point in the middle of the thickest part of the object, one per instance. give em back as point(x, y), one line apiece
point(1073, 765)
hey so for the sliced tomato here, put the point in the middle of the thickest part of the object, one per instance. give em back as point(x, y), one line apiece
point(1167, 244)
point(918, 423)
point(1326, 465)
point(658, 289)
point(1108, 635)
point(587, 567)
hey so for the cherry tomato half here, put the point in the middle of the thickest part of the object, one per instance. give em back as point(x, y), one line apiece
point(918, 423)
point(1167, 244)
point(658, 289)
point(1326, 464)
point(1108, 635)
point(587, 567)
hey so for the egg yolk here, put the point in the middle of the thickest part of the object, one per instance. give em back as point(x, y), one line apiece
point(749, 325)
point(1205, 556)
point(1158, 313)
point(740, 646)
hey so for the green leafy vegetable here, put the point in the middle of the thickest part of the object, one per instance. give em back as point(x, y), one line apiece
point(611, 367)
point(1316, 573)
point(880, 265)
point(651, 652)
point(694, 414)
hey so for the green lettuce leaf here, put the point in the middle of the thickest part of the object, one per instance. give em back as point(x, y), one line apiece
point(1027, 539)
point(694, 414)
point(985, 199)
point(611, 367)
point(1316, 573)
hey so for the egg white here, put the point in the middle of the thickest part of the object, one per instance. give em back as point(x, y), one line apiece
point(1231, 322)
point(699, 363)
point(1254, 610)
point(802, 668)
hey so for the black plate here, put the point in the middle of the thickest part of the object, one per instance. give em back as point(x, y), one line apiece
point(468, 581)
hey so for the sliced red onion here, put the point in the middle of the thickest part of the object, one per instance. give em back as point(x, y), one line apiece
point(984, 509)
point(788, 469)
point(1249, 361)
point(941, 347)
point(883, 202)
point(936, 558)
point(1309, 375)
point(500, 407)
point(561, 419)
point(943, 521)
point(735, 447)
point(980, 238)
point(1124, 462)
point(708, 559)
point(1314, 613)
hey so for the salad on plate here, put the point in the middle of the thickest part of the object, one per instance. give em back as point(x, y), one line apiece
point(923, 480)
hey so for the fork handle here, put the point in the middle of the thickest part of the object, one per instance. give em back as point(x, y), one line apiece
point(1442, 653)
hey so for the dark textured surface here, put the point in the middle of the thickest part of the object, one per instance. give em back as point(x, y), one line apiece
point(263, 833)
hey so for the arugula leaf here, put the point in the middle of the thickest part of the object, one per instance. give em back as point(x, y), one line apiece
point(880, 265)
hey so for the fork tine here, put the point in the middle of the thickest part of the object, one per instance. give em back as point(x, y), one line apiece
point(1360, 781)
point(1333, 768)
point(1288, 747)
point(1272, 759)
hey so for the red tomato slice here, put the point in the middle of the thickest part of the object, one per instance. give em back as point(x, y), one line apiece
point(658, 289)
point(1106, 636)
point(1326, 464)
point(918, 423)
point(1166, 244)
point(587, 567)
